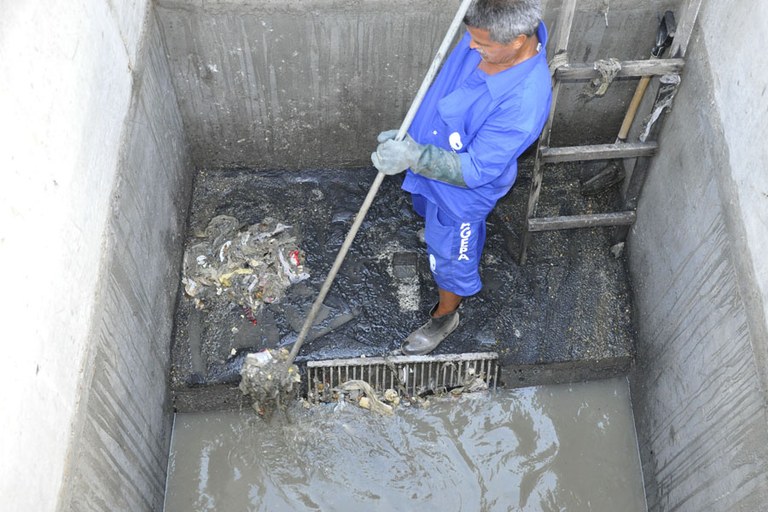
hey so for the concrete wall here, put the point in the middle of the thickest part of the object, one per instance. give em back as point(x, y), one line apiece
point(297, 85)
point(95, 174)
point(92, 185)
point(275, 84)
point(700, 277)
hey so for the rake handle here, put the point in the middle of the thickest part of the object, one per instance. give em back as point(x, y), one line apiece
point(634, 104)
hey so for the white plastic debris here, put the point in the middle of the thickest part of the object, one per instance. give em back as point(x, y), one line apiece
point(258, 358)
point(247, 265)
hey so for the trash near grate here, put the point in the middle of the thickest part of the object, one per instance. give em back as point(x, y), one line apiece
point(409, 375)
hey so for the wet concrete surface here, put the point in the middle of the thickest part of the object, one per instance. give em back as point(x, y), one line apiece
point(563, 316)
point(562, 447)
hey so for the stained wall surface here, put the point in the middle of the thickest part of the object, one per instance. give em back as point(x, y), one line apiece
point(119, 450)
point(92, 198)
point(301, 85)
point(61, 137)
point(699, 273)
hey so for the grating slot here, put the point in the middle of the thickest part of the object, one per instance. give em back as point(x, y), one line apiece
point(431, 379)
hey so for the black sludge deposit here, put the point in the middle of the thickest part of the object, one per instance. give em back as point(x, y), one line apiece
point(564, 315)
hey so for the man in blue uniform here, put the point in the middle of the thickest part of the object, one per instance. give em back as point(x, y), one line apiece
point(487, 105)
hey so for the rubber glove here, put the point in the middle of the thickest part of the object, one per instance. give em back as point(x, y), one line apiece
point(386, 135)
point(393, 157)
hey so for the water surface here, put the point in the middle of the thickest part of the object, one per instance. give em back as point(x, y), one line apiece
point(550, 448)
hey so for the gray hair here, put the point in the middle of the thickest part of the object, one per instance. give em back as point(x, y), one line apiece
point(505, 19)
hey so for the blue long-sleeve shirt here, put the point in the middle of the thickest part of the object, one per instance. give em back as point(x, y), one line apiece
point(488, 120)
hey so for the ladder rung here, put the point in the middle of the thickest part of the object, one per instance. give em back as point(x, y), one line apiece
point(629, 68)
point(598, 152)
point(581, 221)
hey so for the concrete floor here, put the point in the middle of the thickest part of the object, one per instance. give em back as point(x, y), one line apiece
point(564, 316)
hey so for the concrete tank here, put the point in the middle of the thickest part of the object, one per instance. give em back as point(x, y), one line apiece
point(109, 107)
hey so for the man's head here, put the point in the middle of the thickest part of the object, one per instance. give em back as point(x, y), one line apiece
point(504, 19)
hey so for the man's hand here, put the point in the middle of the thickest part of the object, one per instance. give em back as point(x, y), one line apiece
point(393, 157)
point(386, 135)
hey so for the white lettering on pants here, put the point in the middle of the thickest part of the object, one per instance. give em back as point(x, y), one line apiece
point(465, 232)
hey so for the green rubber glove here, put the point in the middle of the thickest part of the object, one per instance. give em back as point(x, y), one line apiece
point(393, 157)
point(441, 165)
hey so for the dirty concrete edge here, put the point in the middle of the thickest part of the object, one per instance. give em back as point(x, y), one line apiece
point(223, 397)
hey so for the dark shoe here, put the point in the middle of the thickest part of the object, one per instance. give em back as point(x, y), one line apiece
point(426, 338)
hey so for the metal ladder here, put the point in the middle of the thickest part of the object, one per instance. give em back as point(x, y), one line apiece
point(668, 69)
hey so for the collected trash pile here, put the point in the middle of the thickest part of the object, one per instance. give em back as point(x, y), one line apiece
point(386, 401)
point(269, 380)
point(247, 266)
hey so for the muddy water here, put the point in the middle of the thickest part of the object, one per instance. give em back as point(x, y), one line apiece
point(551, 448)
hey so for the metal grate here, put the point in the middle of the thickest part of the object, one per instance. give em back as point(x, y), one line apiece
point(409, 375)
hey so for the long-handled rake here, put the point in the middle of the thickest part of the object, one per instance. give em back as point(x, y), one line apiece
point(267, 378)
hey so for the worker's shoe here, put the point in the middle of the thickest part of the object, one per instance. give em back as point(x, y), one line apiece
point(426, 338)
